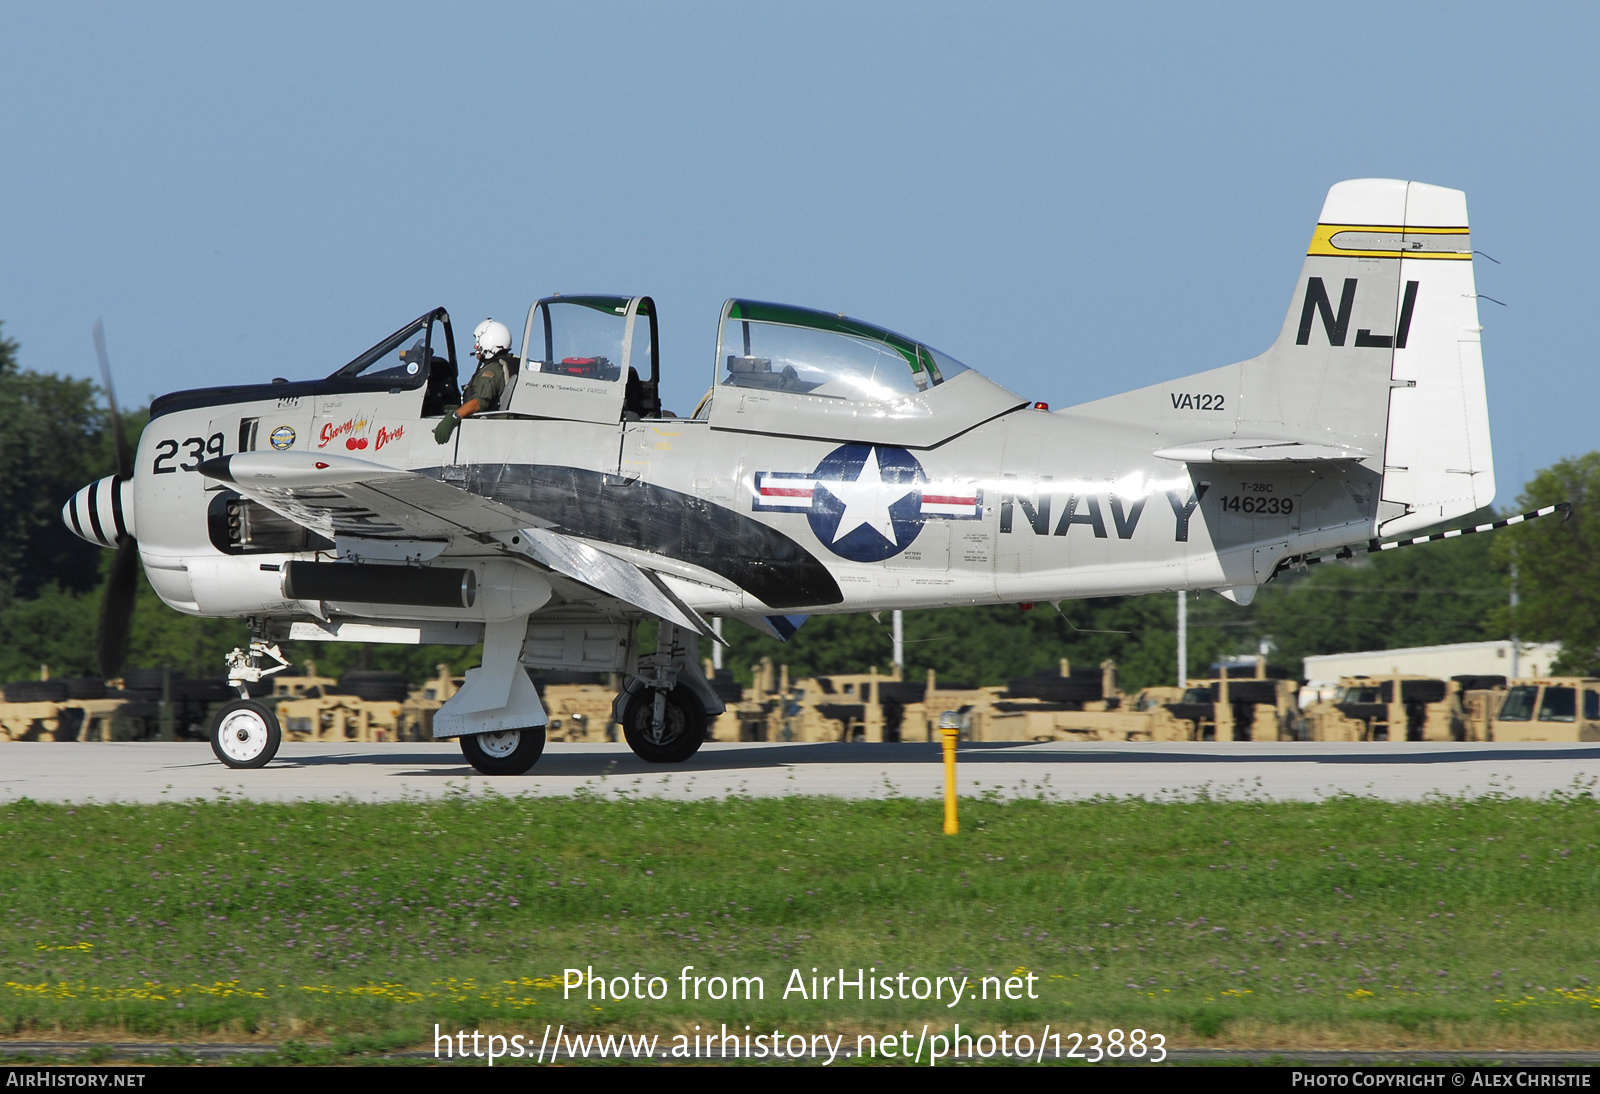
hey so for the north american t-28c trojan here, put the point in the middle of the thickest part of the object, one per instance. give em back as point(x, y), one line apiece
point(834, 466)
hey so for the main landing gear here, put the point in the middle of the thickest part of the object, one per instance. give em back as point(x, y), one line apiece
point(664, 709)
point(496, 714)
point(500, 718)
point(664, 727)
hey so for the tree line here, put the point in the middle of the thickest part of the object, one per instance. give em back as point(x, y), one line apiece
point(56, 438)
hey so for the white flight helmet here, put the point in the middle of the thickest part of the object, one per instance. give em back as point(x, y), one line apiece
point(490, 338)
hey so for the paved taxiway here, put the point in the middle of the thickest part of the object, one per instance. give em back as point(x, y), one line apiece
point(152, 772)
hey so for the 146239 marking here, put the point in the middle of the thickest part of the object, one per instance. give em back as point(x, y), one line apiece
point(1251, 503)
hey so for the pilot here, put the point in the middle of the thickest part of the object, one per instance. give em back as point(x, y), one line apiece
point(491, 345)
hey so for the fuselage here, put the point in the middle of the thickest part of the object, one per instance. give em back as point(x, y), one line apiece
point(1028, 505)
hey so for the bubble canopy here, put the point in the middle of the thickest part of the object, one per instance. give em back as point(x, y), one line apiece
point(782, 348)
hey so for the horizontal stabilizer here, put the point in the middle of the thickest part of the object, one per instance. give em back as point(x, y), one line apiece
point(1248, 451)
point(1374, 547)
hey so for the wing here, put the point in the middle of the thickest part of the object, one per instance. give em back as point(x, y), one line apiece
point(376, 512)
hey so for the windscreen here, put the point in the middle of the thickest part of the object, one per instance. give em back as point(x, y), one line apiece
point(1518, 706)
point(400, 360)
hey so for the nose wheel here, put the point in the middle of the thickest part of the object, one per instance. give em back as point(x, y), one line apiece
point(245, 733)
point(508, 752)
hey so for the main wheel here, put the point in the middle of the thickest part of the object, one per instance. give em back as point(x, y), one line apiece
point(245, 733)
point(508, 752)
point(683, 725)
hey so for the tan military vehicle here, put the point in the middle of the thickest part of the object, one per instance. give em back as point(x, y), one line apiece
point(1557, 708)
point(64, 709)
point(360, 706)
point(1389, 708)
point(1066, 705)
point(145, 704)
point(579, 706)
point(1479, 698)
point(1075, 705)
point(1233, 707)
point(1087, 705)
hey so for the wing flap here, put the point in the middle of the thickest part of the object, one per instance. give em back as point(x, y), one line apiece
point(607, 574)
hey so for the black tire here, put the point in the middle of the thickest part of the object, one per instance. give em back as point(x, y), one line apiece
point(245, 733)
point(510, 752)
point(36, 691)
point(682, 734)
point(85, 687)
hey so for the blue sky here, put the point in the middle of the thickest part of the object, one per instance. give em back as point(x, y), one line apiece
point(1076, 200)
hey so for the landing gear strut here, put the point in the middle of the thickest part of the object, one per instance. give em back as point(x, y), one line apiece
point(246, 733)
point(245, 667)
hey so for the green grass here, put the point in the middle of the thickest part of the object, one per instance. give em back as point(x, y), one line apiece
point(1352, 921)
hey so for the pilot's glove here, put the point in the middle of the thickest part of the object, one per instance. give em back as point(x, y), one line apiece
point(447, 426)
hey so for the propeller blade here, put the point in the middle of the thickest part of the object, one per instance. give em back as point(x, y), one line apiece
point(124, 462)
point(116, 609)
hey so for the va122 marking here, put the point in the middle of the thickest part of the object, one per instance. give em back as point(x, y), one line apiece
point(1187, 401)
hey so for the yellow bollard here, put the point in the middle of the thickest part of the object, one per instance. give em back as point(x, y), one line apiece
point(950, 731)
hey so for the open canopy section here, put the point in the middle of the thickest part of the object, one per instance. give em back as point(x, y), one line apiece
point(785, 369)
point(589, 358)
point(420, 354)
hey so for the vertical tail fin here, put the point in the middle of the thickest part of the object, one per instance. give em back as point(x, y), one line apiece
point(1378, 360)
point(1380, 351)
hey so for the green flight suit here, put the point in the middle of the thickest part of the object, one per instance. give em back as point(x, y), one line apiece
point(488, 383)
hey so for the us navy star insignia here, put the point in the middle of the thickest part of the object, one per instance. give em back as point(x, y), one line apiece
point(866, 502)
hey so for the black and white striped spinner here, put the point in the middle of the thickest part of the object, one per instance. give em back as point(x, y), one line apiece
point(99, 512)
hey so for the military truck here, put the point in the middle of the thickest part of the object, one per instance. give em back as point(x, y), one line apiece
point(1479, 698)
point(1556, 708)
point(63, 709)
point(145, 704)
point(361, 706)
point(1262, 706)
point(1389, 708)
